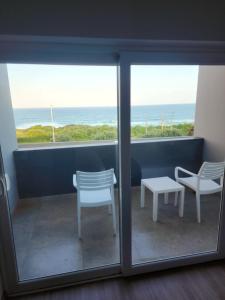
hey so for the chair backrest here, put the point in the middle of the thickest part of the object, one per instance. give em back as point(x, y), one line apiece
point(91, 181)
point(212, 170)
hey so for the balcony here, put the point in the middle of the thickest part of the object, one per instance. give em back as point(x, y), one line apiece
point(44, 222)
point(44, 213)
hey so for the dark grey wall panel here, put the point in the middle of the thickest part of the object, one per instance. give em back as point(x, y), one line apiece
point(159, 158)
point(49, 171)
point(165, 20)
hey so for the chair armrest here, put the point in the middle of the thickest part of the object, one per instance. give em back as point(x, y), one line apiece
point(114, 179)
point(75, 180)
point(177, 169)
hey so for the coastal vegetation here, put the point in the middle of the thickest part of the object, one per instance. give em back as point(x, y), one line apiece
point(84, 133)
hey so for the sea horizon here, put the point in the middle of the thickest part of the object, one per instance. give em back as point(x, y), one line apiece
point(153, 114)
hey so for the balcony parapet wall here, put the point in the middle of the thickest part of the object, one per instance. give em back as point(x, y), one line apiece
point(48, 170)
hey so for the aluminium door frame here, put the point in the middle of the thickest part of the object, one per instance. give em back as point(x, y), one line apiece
point(189, 56)
point(12, 284)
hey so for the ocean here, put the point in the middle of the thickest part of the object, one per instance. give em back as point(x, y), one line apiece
point(140, 115)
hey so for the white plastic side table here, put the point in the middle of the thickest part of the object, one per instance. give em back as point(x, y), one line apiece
point(162, 185)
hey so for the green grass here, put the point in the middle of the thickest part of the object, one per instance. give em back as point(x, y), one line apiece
point(82, 133)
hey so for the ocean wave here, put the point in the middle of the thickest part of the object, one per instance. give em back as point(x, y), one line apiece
point(97, 116)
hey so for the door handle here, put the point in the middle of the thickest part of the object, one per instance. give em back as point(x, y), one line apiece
point(3, 188)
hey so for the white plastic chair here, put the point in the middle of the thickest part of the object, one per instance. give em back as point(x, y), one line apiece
point(95, 189)
point(204, 182)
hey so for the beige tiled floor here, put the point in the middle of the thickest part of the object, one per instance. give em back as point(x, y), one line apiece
point(45, 233)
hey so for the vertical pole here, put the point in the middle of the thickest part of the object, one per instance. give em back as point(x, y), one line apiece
point(52, 121)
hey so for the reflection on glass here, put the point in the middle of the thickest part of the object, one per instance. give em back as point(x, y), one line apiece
point(166, 208)
point(66, 121)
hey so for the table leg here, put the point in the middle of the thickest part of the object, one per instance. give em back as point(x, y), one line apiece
point(181, 204)
point(176, 198)
point(166, 198)
point(142, 195)
point(155, 207)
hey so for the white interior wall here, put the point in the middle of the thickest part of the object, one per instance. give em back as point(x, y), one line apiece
point(210, 111)
point(8, 140)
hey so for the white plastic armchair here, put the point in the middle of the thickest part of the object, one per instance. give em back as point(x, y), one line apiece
point(95, 189)
point(204, 182)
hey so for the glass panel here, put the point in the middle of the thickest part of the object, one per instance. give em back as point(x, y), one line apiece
point(66, 121)
point(174, 122)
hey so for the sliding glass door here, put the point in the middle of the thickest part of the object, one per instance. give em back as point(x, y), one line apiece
point(163, 101)
point(62, 167)
point(175, 219)
point(66, 122)
point(95, 161)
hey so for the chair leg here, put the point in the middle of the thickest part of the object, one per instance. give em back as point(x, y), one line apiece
point(79, 221)
point(181, 206)
point(114, 217)
point(198, 207)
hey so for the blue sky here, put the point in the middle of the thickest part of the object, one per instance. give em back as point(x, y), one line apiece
point(75, 86)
